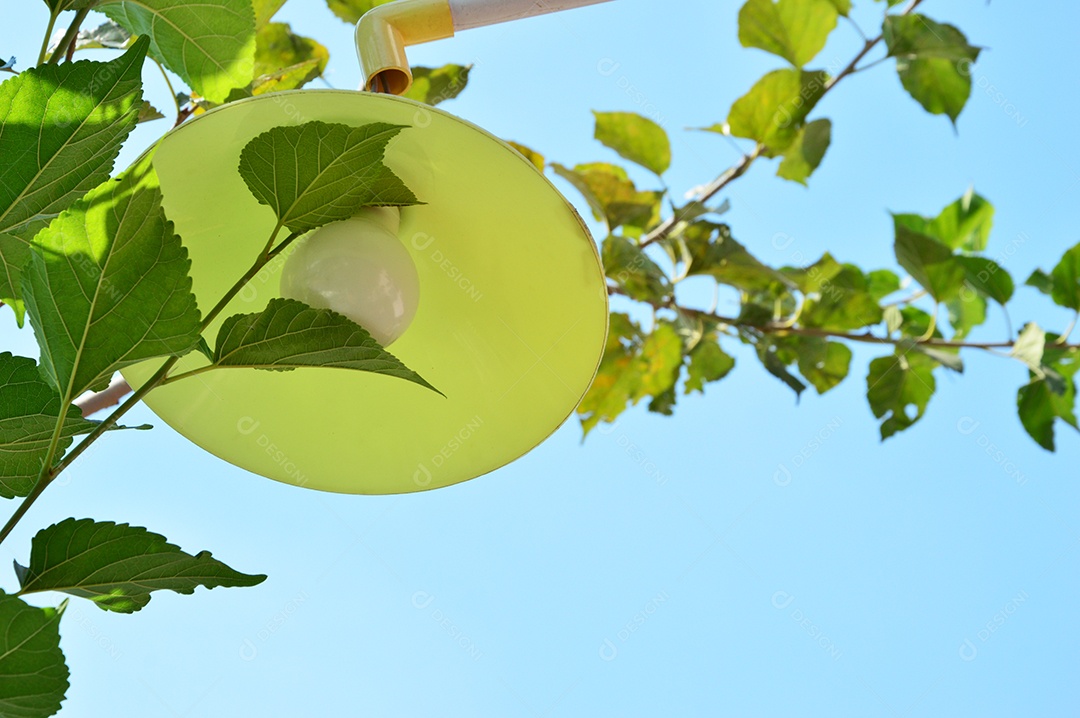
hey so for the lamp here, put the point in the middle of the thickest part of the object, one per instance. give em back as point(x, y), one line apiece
point(493, 288)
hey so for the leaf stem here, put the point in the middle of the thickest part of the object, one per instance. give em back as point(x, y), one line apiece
point(68, 40)
point(48, 35)
point(49, 472)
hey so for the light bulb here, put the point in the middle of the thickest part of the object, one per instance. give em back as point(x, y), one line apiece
point(357, 267)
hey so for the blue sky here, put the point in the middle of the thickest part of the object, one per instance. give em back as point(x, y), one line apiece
point(748, 556)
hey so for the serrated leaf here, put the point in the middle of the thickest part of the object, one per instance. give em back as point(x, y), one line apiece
point(148, 113)
point(33, 675)
point(708, 363)
point(265, 10)
point(351, 10)
point(613, 197)
point(289, 335)
point(806, 151)
point(62, 127)
point(633, 271)
point(433, 85)
point(117, 566)
point(285, 60)
point(897, 385)
point(776, 107)
point(531, 155)
point(880, 283)
point(796, 30)
point(29, 411)
point(14, 254)
point(107, 286)
point(317, 173)
point(930, 263)
point(933, 60)
point(209, 44)
point(635, 138)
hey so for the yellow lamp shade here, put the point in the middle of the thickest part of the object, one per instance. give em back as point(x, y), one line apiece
point(510, 323)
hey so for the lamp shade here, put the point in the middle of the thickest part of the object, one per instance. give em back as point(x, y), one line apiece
point(510, 323)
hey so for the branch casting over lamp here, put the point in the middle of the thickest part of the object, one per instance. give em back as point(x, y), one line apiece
point(384, 31)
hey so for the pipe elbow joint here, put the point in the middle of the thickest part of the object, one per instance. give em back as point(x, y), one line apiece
point(383, 33)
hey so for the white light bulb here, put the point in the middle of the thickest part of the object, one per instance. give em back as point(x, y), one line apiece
point(359, 268)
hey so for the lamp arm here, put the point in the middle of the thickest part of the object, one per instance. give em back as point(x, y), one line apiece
point(384, 31)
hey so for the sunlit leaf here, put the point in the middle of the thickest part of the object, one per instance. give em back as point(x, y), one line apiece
point(432, 85)
point(209, 44)
point(635, 138)
point(633, 271)
point(776, 107)
point(806, 152)
point(796, 30)
point(117, 566)
point(933, 60)
point(317, 173)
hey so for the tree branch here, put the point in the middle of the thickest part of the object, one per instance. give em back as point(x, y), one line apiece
point(91, 404)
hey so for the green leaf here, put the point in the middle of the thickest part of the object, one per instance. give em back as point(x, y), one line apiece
point(613, 197)
point(1050, 395)
point(635, 138)
point(432, 85)
point(708, 363)
point(149, 113)
point(1030, 346)
point(29, 411)
point(806, 152)
point(929, 262)
point(285, 60)
point(880, 283)
point(776, 107)
point(351, 10)
point(633, 271)
point(898, 386)
point(531, 155)
point(933, 61)
point(987, 278)
point(33, 675)
point(117, 566)
point(842, 6)
point(662, 356)
point(209, 44)
point(619, 376)
point(14, 254)
point(63, 126)
point(1038, 279)
point(965, 224)
point(108, 286)
point(317, 173)
point(967, 310)
point(824, 364)
point(106, 35)
point(812, 278)
point(264, 10)
point(1066, 280)
point(714, 252)
point(796, 30)
point(768, 353)
point(842, 303)
point(289, 335)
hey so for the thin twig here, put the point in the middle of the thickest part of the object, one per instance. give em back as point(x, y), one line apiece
point(68, 40)
point(91, 404)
